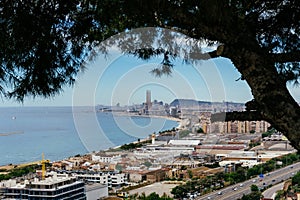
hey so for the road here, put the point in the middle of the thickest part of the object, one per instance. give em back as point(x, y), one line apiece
point(274, 177)
point(271, 192)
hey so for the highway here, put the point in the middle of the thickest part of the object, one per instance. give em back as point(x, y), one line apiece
point(236, 191)
point(271, 192)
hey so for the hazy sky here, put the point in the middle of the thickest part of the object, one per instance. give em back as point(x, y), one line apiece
point(124, 79)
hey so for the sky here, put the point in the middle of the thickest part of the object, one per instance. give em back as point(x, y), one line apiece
point(123, 79)
point(116, 78)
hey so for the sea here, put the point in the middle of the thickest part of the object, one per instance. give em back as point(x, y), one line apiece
point(61, 132)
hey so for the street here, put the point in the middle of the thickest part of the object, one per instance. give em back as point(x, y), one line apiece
point(230, 193)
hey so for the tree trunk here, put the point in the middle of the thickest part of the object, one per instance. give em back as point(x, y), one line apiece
point(275, 103)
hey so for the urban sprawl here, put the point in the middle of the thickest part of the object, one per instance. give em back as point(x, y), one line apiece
point(199, 159)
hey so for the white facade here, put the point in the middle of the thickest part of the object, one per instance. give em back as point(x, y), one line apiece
point(184, 142)
point(110, 179)
point(118, 179)
point(106, 158)
point(95, 178)
point(55, 187)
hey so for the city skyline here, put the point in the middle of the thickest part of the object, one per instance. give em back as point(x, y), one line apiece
point(123, 79)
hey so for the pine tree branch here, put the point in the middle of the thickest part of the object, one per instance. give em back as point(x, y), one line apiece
point(286, 57)
point(238, 116)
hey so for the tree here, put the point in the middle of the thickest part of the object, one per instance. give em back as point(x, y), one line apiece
point(43, 45)
point(254, 188)
point(252, 196)
point(296, 179)
point(200, 130)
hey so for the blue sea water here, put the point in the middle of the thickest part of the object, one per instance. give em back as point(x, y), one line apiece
point(61, 132)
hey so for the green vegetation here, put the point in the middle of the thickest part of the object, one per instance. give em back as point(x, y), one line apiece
point(18, 172)
point(280, 195)
point(268, 133)
point(131, 146)
point(296, 179)
point(190, 173)
point(235, 177)
point(254, 188)
point(272, 164)
point(200, 130)
point(293, 187)
point(184, 133)
point(152, 196)
point(202, 185)
point(147, 164)
point(219, 180)
point(167, 131)
point(61, 37)
point(256, 195)
point(254, 144)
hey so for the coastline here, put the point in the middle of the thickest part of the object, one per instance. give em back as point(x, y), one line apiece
point(146, 116)
point(126, 114)
point(12, 163)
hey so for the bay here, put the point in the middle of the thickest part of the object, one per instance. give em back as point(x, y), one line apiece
point(61, 132)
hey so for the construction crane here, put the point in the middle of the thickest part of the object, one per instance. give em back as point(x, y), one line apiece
point(40, 162)
point(43, 161)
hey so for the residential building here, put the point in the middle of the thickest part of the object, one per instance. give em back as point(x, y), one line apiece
point(104, 158)
point(109, 178)
point(52, 188)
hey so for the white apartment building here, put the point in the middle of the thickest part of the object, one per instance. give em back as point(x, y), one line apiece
point(52, 188)
point(106, 158)
point(111, 179)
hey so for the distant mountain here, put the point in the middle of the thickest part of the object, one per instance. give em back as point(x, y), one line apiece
point(188, 103)
point(185, 103)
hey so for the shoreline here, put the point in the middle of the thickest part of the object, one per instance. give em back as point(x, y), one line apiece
point(12, 165)
point(145, 116)
point(180, 122)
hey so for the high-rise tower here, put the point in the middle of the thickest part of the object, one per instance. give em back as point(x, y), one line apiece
point(148, 99)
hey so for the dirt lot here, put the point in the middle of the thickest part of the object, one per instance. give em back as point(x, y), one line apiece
point(160, 188)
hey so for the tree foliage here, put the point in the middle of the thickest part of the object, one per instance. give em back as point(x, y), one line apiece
point(152, 196)
point(44, 44)
point(18, 172)
point(296, 179)
point(254, 195)
point(254, 188)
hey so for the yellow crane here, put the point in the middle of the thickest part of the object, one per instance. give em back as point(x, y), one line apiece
point(43, 161)
point(40, 162)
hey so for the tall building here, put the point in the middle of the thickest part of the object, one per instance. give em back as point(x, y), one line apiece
point(148, 99)
point(52, 188)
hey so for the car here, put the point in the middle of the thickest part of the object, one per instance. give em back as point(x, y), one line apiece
point(292, 167)
point(273, 180)
point(208, 198)
point(254, 181)
point(234, 188)
point(241, 185)
point(220, 193)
